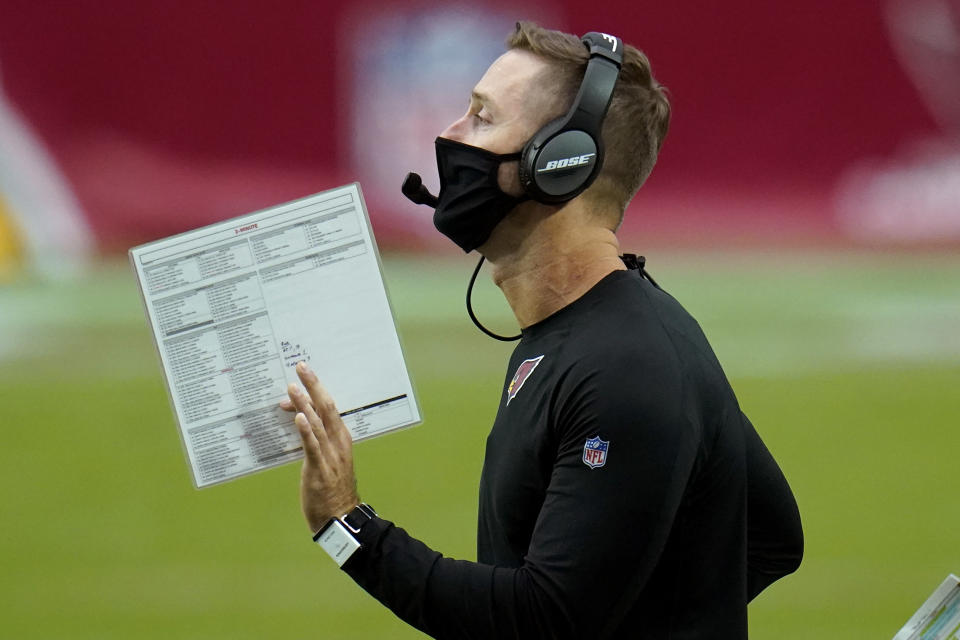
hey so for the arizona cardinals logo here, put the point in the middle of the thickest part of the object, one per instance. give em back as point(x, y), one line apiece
point(523, 372)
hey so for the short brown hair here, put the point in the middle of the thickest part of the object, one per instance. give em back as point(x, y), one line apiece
point(636, 122)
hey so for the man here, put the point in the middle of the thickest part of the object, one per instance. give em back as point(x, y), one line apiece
point(623, 493)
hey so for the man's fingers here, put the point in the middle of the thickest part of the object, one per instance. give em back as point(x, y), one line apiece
point(297, 399)
point(311, 447)
point(303, 405)
point(323, 402)
point(319, 428)
point(289, 403)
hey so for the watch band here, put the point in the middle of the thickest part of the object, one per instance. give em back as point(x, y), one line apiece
point(359, 516)
point(337, 536)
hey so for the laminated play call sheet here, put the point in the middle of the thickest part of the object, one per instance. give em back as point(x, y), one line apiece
point(234, 306)
point(939, 617)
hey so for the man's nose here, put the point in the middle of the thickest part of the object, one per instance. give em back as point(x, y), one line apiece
point(456, 129)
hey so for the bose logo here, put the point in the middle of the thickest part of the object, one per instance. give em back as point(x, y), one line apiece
point(611, 39)
point(567, 163)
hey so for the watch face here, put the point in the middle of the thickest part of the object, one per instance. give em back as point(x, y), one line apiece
point(337, 542)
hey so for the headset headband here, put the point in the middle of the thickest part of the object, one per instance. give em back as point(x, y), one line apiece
point(593, 99)
point(564, 157)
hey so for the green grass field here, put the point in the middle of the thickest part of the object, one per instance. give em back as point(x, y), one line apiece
point(849, 365)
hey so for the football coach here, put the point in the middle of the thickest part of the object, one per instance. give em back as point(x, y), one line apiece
point(624, 494)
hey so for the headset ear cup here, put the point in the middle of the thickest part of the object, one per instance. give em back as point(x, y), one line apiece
point(565, 165)
point(531, 153)
point(564, 157)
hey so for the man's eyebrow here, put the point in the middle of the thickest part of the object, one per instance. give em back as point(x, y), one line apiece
point(484, 99)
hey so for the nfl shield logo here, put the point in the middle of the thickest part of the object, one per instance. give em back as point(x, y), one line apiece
point(595, 452)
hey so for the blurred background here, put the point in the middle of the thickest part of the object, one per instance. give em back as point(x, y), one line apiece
point(805, 208)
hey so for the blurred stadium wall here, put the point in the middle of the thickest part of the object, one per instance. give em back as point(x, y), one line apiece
point(815, 122)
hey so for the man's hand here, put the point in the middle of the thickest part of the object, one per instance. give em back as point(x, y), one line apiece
point(328, 488)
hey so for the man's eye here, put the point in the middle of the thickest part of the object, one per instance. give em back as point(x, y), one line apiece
point(480, 118)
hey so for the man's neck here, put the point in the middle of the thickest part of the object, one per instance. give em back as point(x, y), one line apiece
point(556, 266)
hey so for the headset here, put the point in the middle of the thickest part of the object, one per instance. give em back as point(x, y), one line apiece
point(565, 156)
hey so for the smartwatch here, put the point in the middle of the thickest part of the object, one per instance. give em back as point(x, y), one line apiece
point(338, 536)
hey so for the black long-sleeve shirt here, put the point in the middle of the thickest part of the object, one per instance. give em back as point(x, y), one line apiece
point(624, 494)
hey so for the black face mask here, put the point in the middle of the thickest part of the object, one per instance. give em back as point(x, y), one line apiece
point(471, 203)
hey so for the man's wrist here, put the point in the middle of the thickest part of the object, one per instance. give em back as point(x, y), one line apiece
point(339, 536)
